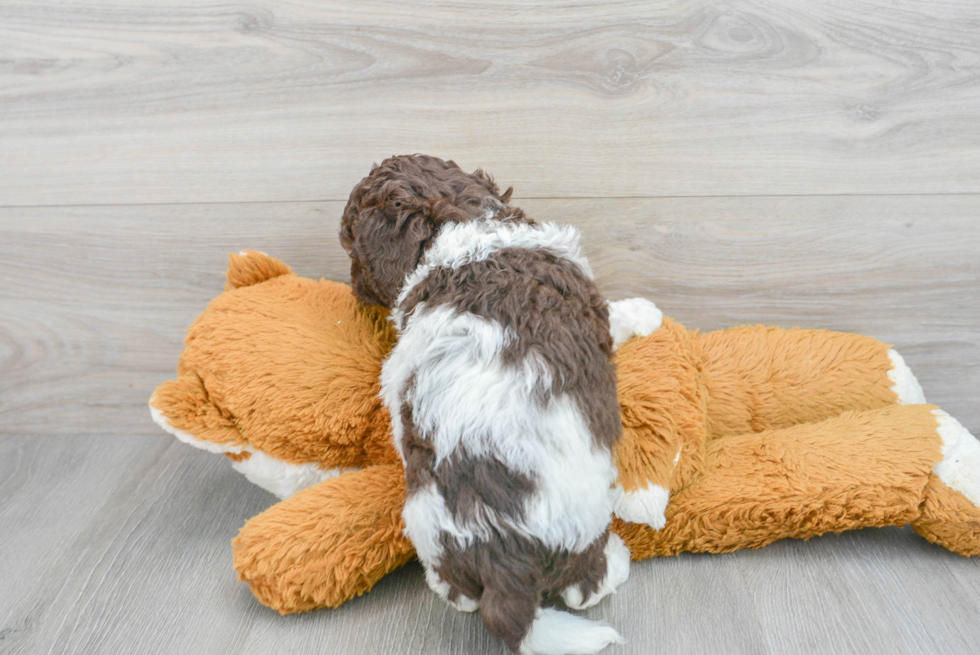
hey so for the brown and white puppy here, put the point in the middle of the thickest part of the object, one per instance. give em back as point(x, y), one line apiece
point(502, 397)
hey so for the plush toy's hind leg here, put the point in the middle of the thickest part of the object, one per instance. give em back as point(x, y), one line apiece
point(951, 505)
point(856, 470)
point(761, 378)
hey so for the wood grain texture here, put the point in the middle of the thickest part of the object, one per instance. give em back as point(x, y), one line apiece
point(94, 301)
point(140, 563)
point(752, 161)
point(191, 101)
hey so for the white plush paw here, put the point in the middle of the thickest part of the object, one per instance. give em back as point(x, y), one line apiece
point(904, 384)
point(647, 506)
point(633, 317)
point(960, 467)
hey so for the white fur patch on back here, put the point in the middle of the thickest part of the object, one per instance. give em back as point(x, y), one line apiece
point(960, 466)
point(904, 384)
point(560, 633)
point(464, 398)
point(633, 317)
point(274, 475)
point(458, 244)
point(646, 506)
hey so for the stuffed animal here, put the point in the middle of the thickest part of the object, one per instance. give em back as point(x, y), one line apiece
point(732, 439)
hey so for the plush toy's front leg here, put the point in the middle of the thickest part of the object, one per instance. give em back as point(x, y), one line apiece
point(326, 544)
point(892, 466)
point(663, 408)
point(761, 378)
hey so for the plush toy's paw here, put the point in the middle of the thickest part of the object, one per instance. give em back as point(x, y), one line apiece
point(617, 571)
point(960, 466)
point(646, 506)
point(444, 591)
point(904, 384)
point(633, 317)
point(327, 544)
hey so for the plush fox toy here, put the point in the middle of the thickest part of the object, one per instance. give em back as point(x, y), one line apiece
point(732, 439)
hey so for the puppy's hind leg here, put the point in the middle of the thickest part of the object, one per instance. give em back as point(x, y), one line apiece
point(606, 570)
point(444, 590)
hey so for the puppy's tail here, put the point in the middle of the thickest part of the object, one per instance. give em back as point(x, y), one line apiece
point(531, 630)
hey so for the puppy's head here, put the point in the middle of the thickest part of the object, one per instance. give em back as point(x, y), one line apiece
point(394, 212)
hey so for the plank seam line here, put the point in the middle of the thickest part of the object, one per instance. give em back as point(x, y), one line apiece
point(664, 197)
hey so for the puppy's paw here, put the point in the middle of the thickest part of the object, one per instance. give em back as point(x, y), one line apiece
point(442, 589)
point(633, 317)
point(464, 604)
point(617, 555)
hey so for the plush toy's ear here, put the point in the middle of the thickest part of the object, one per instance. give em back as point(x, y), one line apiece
point(251, 267)
point(326, 544)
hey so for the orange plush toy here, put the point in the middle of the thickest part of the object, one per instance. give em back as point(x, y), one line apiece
point(732, 439)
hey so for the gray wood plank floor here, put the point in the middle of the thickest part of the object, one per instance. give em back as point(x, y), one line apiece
point(786, 163)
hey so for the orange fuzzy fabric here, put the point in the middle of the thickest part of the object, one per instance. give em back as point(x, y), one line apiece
point(758, 434)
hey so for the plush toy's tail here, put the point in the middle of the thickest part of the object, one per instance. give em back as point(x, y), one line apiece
point(508, 611)
point(251, 267)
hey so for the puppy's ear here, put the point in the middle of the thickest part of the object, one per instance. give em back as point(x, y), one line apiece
point(385, 249)
point(486, 180)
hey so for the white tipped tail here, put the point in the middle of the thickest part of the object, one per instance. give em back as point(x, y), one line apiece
point(560, 633)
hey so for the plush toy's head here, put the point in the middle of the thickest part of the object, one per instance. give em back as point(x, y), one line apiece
point(394, 212)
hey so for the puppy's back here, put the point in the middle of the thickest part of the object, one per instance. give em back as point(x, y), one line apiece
point(503, 401)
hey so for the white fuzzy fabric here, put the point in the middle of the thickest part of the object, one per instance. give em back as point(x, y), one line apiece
point(617, 572)
point(464, 398)
point(279, 477)
point(904, 384)
point(458, 244)
point(960, 466)
point(646, 506)
point(560, 633)
point(274, 475)
point(633, 317)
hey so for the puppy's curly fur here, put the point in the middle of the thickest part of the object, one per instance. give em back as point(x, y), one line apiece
point(394, 212)
point(502, 398)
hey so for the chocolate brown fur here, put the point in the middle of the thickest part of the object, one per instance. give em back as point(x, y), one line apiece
point(393, 213)
point(559, 321)
point(557, 314)
point(512, 575)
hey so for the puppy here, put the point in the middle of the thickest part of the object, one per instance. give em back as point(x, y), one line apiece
point(502, 398)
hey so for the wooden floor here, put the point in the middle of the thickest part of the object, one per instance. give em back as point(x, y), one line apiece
point(790, 163)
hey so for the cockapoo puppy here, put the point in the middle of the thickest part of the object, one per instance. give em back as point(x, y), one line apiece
point(502, 397)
